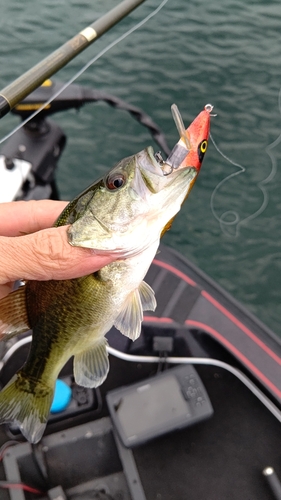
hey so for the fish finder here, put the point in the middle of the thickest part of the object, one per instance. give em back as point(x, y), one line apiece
point(171, 400)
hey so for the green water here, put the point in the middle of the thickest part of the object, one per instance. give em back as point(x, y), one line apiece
point(227, 53)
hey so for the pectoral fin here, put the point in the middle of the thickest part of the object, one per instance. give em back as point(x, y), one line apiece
point(147, 297)
point(130, 317)
point(13, 314)
point(91, 366)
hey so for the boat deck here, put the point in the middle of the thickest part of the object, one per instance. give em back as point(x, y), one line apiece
point(221, 458)
point(202, 306)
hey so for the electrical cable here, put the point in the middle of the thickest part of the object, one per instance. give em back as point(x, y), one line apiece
point(173, 360)
point(203, 361)
point(6, 446)
point(13, 349)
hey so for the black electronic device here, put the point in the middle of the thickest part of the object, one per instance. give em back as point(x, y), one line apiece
point(171, 400)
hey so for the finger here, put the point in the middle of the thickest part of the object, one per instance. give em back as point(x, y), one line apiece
point(18, 217)
point(46, 255)
point(5, 289)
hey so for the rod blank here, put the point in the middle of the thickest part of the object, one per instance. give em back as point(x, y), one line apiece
point(273, 482)
point(29, 81)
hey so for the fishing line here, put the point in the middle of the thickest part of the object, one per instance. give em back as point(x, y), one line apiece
point(85, 67)
point(228, 213)
point(236, 221)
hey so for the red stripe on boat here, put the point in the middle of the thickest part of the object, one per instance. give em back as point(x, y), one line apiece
point(237, 353)
point(174, 270)
point(242, 327)
point(221, 308)
point(154, 319)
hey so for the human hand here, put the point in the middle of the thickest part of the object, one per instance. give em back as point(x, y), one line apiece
point(44, 252)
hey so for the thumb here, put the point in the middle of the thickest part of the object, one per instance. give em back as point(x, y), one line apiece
point(46, 255)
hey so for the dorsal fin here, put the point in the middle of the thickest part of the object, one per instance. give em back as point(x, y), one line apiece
point(13, 314)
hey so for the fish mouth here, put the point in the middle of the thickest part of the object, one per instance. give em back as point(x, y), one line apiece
point(153, 162)
point(151, 177)
point(163, 167)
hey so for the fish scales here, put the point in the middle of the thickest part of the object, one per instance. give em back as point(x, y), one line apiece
point(123, 214)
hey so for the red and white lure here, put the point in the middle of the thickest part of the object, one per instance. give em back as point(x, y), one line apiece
point(193, 142)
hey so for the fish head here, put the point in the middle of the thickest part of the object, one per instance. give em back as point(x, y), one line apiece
point(135, 203)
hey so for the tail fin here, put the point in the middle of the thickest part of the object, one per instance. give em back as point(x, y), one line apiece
point(26, 403)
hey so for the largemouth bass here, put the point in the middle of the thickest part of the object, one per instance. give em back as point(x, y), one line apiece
point(125, 213)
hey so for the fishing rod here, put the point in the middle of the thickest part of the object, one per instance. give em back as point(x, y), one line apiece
point(33, 78)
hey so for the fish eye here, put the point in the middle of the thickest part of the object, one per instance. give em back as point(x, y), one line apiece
point(114, 181)
point(202, 148)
